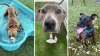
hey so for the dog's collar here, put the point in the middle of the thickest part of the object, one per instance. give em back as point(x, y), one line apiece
point(89, 30)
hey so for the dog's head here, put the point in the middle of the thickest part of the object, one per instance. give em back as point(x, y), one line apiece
point(52, 16)
point(85, 20)
point(11, 11)
point(12, 31)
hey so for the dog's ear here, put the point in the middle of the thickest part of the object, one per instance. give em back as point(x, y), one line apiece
point(6, 12)
point(82, 14)
point(93, 16)
point(38, 15)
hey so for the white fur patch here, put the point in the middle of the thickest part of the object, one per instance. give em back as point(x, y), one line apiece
point(55, 38)
point(51, 41)
point(12, 38)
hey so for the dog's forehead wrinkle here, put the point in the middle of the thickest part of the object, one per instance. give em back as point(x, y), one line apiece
point(51, 7)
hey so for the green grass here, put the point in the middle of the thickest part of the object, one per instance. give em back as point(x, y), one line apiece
point(74, 12)
point(27, 48)
point(28, 3)
point(42, 48)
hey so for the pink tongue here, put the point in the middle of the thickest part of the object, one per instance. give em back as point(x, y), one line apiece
point(80, 30)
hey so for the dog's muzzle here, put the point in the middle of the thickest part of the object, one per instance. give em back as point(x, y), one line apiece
point(50, 25)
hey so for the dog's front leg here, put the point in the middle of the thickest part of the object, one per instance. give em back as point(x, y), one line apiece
point(84, 36)
point(77, 38)
point(85, 45)
point(51, 40)
point(93, 36)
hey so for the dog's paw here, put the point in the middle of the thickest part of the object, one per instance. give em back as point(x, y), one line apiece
point(77, 40)
point(51, 41)
point(86, 49)
point(94, 43)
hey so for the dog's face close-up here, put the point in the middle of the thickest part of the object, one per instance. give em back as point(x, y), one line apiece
point(85, 20)
point(52, 16)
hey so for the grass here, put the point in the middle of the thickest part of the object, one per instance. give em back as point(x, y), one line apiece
point(42, 48)
point(27, 48)
point(76, 49)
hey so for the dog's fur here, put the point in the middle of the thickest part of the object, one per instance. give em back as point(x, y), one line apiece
point(53, 15)
point(86, 22)
point(13, 23)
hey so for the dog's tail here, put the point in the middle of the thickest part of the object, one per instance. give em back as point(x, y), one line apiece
point(6, 5)
point(58, 3)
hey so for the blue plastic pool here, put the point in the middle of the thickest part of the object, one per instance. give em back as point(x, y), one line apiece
point(25, 16)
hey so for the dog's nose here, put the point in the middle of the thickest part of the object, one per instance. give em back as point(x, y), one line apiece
point(50, 24)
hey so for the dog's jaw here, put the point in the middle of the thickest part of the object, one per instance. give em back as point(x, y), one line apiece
point(51, 40)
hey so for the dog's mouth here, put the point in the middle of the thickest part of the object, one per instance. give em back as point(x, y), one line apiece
point(49, 30)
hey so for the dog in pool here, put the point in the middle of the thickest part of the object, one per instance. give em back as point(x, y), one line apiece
point(14, 26)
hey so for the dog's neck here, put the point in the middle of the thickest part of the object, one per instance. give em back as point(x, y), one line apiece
point(90, 26)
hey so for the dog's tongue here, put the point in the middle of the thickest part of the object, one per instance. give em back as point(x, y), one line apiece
point(80, 30)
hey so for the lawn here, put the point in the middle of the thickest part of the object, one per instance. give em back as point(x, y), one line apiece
point(76, 48)
point(42, 48)
point(27, 48)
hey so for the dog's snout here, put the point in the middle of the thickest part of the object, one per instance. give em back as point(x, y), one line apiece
point(50, 24)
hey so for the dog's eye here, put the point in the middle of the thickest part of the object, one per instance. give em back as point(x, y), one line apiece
point(38, 11)
point(43, 11)
point(58, 11)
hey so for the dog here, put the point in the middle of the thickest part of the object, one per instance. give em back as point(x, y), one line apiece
point(13, 24)
point(85, 29)
point(52, 16)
